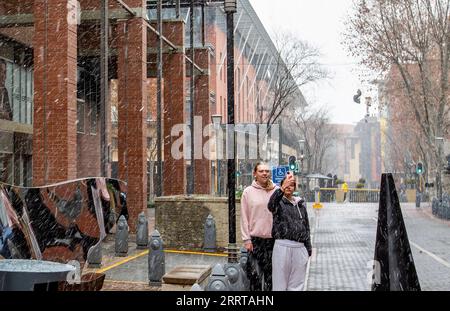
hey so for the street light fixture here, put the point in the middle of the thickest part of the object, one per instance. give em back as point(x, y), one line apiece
point(230, 6)
point(216, 119)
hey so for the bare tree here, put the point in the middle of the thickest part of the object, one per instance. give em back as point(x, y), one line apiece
point(295, 65)
point(313, 126)
point(409, 38)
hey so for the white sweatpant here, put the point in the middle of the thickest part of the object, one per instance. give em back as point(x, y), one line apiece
point(289, 262)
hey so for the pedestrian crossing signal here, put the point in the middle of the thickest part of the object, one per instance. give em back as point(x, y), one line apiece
point(419, 168)
point(292, 163)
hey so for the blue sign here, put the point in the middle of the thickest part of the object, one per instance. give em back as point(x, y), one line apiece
point(278, 173)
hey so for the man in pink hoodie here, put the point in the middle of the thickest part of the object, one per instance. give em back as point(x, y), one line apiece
point(256, 227)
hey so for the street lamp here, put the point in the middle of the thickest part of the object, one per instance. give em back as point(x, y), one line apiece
point(217, 120)
point(301, 145)
point(230, 7)
point(440, 141)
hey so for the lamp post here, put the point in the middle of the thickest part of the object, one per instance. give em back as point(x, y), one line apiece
point(230, 7)
point(440, 141)
point(301, 145)
point(217, 120)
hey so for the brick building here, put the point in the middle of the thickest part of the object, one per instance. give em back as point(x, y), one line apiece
point(53, 125)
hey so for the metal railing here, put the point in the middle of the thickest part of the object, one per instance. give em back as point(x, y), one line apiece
point(329, 195)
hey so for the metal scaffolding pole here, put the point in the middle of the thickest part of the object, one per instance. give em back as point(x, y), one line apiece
point(104, 24)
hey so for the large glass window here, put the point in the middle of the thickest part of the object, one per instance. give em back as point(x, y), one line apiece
point(80, 115)
point(16, 92)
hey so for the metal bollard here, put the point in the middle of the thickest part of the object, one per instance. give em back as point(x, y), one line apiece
point(218, 280)
point(156, 260)
point(418, 198)
point(142, 232)
point(94, 256)
point(122, 237)
point(210, 235)
point(243, 260)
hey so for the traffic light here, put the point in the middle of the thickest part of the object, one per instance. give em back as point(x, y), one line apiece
point(419, 168)
point(292, 163)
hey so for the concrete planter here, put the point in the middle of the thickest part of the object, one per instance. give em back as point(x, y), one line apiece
point(181, 220)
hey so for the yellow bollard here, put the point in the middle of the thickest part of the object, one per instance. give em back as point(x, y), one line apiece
point(317, 204)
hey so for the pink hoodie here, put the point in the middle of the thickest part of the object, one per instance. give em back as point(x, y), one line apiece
point(256, 219)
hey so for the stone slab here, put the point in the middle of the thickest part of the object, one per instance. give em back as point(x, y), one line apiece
point(187, 274)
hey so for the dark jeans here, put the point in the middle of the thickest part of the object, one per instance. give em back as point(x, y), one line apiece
point(259, 267)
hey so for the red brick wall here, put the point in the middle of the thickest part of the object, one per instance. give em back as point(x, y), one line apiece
point(54, 138)
point(174, 72)
point(202, 174)
point(132, 135)
point(12, 7)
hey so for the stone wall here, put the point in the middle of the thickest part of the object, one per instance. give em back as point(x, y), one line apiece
point(180, 220)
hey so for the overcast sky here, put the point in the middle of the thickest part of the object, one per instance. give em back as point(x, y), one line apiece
point(320, 22)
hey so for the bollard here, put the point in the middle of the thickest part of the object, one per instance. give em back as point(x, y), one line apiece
point(418, 198)
point(122, 237)
point(243, 261)
point(142, 232)
point(156, 260)
point(446, 205)
point(233, 273)
point(317, 204)
point(395, 269)
point(218, 280)
point(210, 234)
point(94, 256)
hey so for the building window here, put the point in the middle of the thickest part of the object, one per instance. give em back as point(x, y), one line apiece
point(221, 67)
point(212, 99)
point(16, 92)
point(93, 118)
point(114, 143)
point(80, 115)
